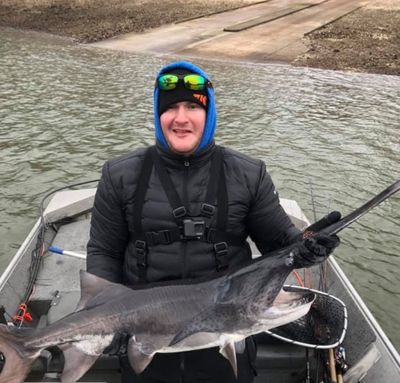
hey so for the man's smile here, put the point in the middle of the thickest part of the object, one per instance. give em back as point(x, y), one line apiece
point(181, 131)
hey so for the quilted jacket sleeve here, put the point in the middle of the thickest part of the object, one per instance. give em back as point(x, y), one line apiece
point(268, 224)
point(108, 233)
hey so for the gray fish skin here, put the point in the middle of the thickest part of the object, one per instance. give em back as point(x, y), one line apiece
point(166, 317)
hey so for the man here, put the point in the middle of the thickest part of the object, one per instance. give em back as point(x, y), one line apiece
point(184, 209)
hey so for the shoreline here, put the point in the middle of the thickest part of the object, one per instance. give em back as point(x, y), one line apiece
point(365, 40)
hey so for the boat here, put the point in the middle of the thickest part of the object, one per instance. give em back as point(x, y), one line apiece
point(41, 285)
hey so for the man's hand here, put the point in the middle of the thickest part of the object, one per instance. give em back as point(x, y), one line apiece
point(329, 219)
point(314, 250)
point(118, 345)
point(315, 247)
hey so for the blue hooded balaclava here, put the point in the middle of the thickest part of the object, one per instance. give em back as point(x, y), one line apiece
point(211, 119)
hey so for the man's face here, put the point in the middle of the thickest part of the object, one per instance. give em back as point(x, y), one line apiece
point(183, 126)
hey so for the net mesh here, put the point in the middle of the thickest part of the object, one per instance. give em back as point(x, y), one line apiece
point(323, 327)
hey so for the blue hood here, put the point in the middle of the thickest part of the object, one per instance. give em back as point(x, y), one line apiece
point(211, 120)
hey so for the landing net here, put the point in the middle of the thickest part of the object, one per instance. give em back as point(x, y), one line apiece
point(323, 327)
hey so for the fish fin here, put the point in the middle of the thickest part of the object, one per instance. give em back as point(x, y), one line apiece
point(91, 288)
point(137, 359)
point(240, 346)
point(18, 359)
point(229, 352)
point(211, 320)
point(186, 332)
point(76, 364)
point(198, 324)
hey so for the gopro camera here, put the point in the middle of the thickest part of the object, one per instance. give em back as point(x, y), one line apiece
point(193, 227)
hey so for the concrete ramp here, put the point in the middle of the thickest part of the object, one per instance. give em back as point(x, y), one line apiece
point(279, 40)
point(268, 31)
point(270, 16)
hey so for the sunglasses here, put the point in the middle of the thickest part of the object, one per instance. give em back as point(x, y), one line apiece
point(191, 82)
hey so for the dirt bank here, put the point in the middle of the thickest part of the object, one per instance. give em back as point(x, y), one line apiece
point(366, 40)
point(93, 20)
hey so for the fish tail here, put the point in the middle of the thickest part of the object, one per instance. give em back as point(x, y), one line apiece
point(17, 359)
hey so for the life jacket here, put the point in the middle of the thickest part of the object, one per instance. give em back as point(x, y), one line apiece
point(188, 228)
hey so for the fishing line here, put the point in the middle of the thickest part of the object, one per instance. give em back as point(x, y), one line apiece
point(312, 199)
point(322, 285)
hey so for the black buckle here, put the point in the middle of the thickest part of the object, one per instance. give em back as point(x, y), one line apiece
point(210, 235)
point(207, 209)
point(221, 255)
point(140, 247)
point(162, 237)
point(179, 212)
point(221, 248)
point(166, 237)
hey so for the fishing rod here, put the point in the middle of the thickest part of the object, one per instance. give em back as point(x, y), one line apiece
point(323, 360)
point(358, 213)
point(337, 356)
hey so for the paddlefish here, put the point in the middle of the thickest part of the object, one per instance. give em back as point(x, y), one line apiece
point(172, 316)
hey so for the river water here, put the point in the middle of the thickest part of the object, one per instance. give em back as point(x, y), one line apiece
point(65, 109)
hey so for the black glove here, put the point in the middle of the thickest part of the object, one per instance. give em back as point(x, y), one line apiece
point(118, 345)
point(314, 250)
point(324, 222)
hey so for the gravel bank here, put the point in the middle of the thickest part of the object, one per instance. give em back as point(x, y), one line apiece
point(367, 40)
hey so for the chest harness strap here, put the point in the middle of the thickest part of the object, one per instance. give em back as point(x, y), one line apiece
point(140, 193)
point(188, 228)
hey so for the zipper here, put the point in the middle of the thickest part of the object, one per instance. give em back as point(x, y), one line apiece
point(185, 200)
point(186, 165)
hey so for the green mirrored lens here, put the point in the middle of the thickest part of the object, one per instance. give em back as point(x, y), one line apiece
point(194, 82)
point(191, 81)
point(167, 81)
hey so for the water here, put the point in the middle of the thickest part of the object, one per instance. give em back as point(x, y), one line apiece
point(65, 109)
